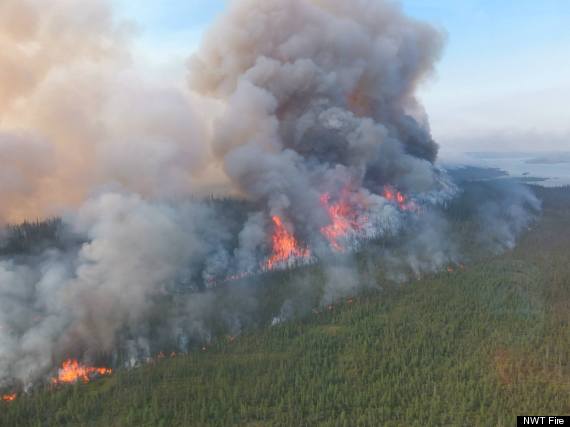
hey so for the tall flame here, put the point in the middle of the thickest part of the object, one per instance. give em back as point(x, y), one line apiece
point(285, 246)
point(72, 371)
point(393, 195)
point(349, 222)
point(343, 220)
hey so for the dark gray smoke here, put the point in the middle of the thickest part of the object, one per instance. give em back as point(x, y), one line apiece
point(307, 107)
point(319, 96)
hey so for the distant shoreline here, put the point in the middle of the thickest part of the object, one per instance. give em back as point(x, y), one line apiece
point(464, 173)
point(558, 155)
point(544, 168)
point(547, 161)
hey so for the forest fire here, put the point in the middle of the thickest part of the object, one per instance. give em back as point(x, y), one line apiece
point(72, 371)
point(285, 246)
point(347, 220)
point(296, 139)
point(395, 196)
point(9, 397)
point(344, 220)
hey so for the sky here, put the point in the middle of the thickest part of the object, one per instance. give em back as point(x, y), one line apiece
point(502, 84)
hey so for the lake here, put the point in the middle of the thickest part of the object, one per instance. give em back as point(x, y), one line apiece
point(551, 168)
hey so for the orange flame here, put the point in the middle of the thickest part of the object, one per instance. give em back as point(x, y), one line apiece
point(72, 371)
point(343, 220)
point(9, 397)
point(393, 195)
point(285, 246)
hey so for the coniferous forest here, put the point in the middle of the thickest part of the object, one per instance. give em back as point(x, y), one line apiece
point(476, 345)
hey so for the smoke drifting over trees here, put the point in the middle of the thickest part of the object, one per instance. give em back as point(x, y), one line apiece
point(303, 110)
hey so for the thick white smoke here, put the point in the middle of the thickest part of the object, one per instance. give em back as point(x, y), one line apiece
point(293, 106)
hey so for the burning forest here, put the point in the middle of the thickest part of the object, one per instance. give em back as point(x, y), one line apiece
point(299, 116)
point(72, 371)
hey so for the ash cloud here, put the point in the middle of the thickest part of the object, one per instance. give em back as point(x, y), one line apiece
point(295, 108)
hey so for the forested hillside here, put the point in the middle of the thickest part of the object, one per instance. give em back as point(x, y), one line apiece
point(475, 345)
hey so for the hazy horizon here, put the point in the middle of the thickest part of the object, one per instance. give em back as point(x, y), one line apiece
point(501, 83)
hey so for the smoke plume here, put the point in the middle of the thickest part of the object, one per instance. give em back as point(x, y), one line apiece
point(302, 113)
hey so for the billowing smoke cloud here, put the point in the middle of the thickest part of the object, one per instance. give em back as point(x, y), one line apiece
point(303, 110)
point(75, 114)
point(317, 95)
